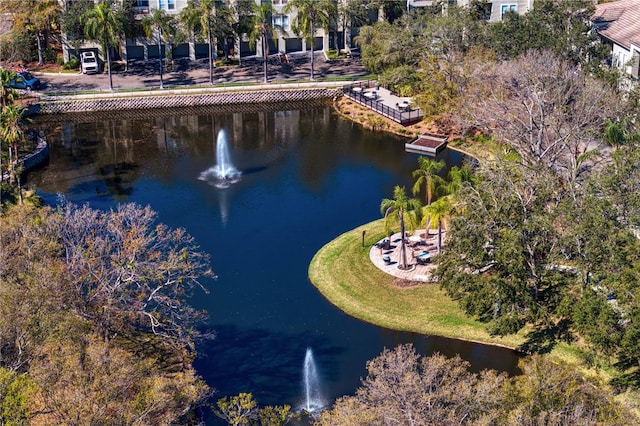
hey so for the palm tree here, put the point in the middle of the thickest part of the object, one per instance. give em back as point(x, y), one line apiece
point(102, 25)
point(263, 29)
point(353, 14)
point(457, 177)
point(427, 175)
point(6, 92)
point(11, 131)
point(311, 14)
point(189, 17)
point(401, 208)
point(438, 212)
point(207, 10)
point(164, 24)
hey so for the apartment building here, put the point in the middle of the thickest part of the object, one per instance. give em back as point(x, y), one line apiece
point(618, 25)
point(285, 42)
point(142, 48)
point(495, 10)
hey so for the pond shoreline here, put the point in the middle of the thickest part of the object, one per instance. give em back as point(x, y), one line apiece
point(194, 98)
point(343, 274)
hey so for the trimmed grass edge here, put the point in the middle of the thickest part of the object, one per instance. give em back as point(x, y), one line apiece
point(343, 273)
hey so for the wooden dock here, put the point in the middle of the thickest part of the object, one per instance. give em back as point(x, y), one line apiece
point(426, 144)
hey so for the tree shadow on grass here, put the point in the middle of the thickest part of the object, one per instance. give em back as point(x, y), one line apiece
point(542, 340)
point(626, 380)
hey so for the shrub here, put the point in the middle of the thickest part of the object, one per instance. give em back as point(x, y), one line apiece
point(376, 123)
point(404, 80)
point(332, 54)
point(49, 55)
point(71, 64)
point(116, 66)
point(221, 62)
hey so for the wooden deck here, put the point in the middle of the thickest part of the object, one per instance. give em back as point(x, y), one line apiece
point(382, 101)
point(426, 144)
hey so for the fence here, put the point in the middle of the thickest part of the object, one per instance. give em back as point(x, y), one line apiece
point(403, 115)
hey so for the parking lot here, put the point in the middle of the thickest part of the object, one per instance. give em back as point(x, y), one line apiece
point(140, 75)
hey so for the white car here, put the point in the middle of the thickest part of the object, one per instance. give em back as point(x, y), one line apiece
point(88, 63)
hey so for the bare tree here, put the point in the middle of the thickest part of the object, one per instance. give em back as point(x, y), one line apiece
point(128, 271)
point(544, 109)
point(402, 388)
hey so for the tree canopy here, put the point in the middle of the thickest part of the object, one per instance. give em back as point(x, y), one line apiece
point(102, 25)
point(94, 320)
point(404, 388)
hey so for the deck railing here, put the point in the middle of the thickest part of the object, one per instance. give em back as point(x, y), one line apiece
point(404, 116)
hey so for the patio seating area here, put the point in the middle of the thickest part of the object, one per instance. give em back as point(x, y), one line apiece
point(385, 103)
point(386, 255)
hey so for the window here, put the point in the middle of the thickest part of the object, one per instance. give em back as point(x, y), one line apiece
point(142, 3)
point(508, 8)
point(281, 21)
point(484, 9)
point(167, 4)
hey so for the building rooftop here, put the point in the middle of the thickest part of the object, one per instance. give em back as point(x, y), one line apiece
point(619, 22)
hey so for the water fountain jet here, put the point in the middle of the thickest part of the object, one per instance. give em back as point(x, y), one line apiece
point(313, 400)
point(223, 174)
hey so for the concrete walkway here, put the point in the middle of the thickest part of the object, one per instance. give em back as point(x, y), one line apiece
point(415, 245)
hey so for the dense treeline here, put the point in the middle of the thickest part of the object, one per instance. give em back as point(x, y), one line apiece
point(544, 237)
point(402, 388)
point(94, 322)
point(434, 56)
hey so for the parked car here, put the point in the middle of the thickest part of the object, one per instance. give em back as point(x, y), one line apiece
point(88, 63)
point(25, 81)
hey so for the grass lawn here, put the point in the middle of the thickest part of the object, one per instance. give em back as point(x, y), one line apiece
point(343, 273)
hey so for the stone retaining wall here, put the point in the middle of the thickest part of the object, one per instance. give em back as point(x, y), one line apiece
point(165, 100)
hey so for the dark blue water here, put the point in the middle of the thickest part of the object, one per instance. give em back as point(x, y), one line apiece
point(308, 176)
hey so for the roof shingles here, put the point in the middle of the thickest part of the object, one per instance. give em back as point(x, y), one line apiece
point(623, 22)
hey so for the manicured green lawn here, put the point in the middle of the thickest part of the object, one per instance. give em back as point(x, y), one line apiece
point(343, 273)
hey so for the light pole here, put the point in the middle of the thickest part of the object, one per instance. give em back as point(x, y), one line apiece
point(160, 53)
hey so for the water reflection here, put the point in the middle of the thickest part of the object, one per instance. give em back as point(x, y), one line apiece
point(308, 176)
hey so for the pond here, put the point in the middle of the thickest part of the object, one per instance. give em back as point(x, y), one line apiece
point(307, 176)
